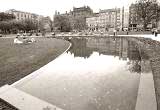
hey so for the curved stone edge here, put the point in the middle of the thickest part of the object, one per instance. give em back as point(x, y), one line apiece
point(24, 101)
point(36, 73)
point(146, 97)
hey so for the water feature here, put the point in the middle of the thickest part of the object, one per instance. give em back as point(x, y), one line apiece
point(94, 74)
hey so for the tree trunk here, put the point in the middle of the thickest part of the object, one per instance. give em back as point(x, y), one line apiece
point(145, 24)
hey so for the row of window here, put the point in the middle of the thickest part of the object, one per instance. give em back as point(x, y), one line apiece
point(23, 18)
point(103, 24)
point(22, 15)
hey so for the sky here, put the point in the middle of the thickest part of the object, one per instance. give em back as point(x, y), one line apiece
point(48, 7)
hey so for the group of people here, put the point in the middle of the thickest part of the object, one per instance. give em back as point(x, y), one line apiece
point(23, 40)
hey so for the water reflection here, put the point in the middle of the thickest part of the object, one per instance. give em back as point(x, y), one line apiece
point(79, 48)
point(119, 47)
point(95, 74)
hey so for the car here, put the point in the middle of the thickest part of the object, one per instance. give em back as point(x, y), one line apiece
point(29, 34)
point(37, 34)
point(101, 33)
point(53, 35)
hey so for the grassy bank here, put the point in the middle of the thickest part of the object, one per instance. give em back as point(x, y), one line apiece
point(17, 61)
point(152, 49)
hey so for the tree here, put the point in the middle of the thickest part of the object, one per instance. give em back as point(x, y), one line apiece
point(107, 27)
point(9, 25)
point(50, 23)
point(79, 23)
point(147, 12)
point(134, 66)
point(30, 25)
point(5, 22)
point(5, 26)
point(62, 23)
point(41, 26)
point(46, 24)
point(6, 16)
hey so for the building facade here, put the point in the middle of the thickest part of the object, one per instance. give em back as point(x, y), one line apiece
point(125, 19)
point(92, 22)
point(107, 20)
point(133, 17)
point(20, 15)
point(77, 17)
point(85, 11)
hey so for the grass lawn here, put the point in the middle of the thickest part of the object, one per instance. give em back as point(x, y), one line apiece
point(17, 61)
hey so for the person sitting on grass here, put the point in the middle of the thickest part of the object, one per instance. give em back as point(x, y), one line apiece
point(17, 41)
point(33, 40)
point(24, 40)
point(29, 40)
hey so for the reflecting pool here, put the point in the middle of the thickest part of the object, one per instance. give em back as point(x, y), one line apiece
point(94, 74)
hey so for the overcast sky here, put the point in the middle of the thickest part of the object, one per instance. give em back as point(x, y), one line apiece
point(48, 7)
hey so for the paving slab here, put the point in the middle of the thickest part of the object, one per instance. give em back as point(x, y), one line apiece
point(146, 99)
point(24, 101)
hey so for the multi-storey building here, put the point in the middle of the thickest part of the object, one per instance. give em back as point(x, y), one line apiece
point(107, 20)
point(85, 11)
point(133, 17)
point(125, 20)
point(20, 15)
point(41, 21)
point(92, 22)
point(78, 14)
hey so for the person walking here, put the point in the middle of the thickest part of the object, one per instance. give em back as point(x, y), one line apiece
point(156, 32)
point(152, 31)
point(127, 32)
point(115, 32)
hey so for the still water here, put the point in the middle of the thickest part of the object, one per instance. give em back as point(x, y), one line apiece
point(94, 74)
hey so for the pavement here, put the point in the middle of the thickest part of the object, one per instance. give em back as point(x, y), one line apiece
point(157, 38)
point(146, 99)
point(24, 101)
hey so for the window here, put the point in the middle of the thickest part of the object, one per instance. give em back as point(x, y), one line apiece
point(17, 14)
